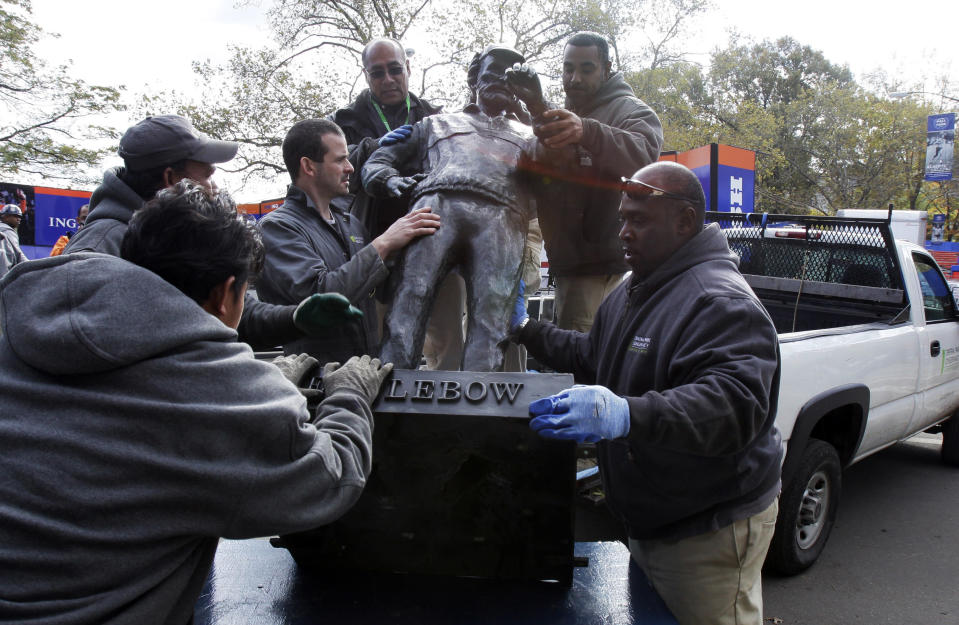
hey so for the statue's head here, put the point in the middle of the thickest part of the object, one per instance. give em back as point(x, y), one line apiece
point(486, 77)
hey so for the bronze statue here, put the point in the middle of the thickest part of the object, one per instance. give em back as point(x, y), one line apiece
point(470, 167)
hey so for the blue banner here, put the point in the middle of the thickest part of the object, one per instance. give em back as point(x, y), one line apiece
point(940, 138)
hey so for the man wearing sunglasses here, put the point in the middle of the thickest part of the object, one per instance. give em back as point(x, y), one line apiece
point(385, 107)
point(684, 371)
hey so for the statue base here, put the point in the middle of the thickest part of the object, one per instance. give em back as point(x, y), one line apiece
point(460, 485)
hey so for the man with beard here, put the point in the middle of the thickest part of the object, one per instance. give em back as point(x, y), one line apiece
point(614, 133)
point(314, 247)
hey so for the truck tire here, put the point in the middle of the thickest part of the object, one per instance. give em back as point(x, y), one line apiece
point(950, 442)
point(807, 510)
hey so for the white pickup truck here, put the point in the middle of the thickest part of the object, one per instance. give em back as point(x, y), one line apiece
point(869, 338)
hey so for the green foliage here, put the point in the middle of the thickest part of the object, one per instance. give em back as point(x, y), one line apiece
point(823, 141)
point(45, 129)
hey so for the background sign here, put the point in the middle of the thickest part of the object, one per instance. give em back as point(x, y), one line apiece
point(940, 138)
point(56, 213)
point(938, 228)
point(727, 173)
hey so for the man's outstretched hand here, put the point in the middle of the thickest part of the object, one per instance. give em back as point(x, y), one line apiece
point(520, 316)
point(360, 374)
point(586, 414)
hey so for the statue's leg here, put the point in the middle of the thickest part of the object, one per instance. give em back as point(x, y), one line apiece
point(420, 268)
point(493, 265)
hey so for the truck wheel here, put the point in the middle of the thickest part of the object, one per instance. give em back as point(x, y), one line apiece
point(950, 442)
point(807, 509)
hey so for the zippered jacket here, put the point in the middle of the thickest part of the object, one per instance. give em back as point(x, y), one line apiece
point(696, 356)
point(306, 255)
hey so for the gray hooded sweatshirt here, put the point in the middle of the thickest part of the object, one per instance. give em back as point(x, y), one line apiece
point(136, 431)
point(111, 208)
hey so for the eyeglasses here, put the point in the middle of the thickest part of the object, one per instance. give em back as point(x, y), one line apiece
point(380, 73)
point(639, 191)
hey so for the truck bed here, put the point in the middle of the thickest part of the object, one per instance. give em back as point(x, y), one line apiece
point(818, 273)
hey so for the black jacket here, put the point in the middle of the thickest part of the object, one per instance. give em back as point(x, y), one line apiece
point(697, 358)
point(306, 255)
point(363, 127)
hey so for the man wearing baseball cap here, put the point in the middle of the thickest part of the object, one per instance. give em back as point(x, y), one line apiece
point(10, 252)
point(157, 153)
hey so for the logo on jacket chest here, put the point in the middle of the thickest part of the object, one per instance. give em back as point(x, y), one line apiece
point(640, 344)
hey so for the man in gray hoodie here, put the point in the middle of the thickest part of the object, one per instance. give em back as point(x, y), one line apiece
point(137, 431)
point(614, 133)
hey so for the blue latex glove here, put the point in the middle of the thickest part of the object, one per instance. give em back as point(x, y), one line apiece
point(399, 135)
point(585, 414)
point(519, 309)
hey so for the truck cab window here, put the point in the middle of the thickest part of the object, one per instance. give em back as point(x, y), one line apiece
point(937, 300)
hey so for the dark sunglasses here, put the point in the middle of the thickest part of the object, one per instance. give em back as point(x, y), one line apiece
point(640, 191)
point(379, 74)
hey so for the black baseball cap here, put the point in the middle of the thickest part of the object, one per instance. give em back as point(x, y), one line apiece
point(165, 139)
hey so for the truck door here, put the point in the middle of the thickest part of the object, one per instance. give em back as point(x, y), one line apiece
point(938, 345)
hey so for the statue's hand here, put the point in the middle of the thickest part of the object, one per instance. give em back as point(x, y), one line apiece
point(398, 186)
point(524, 83)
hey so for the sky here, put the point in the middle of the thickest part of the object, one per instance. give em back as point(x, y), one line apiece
point(151, 46)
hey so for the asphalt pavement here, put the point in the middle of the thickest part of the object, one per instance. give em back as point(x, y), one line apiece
point(893, 556)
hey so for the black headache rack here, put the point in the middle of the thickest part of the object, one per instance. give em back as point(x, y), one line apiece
point(838, 270)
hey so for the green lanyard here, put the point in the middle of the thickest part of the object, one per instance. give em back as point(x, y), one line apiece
point(383, 117)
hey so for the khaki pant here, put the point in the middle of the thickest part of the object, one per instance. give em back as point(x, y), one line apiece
point(446, 330)
point(578, 298)
point(713, 578)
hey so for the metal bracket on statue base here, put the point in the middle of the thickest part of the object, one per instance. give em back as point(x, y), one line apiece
point(460, 485)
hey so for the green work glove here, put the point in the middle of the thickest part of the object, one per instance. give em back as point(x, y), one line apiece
point(320, 312)
point(295, 368)
point(362, 374)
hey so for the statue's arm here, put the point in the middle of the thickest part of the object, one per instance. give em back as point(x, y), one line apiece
point(388, 161)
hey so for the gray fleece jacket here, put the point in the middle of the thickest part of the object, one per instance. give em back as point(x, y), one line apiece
point(135, 431)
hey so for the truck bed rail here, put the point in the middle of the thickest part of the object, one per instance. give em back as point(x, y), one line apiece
point(851, 258)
